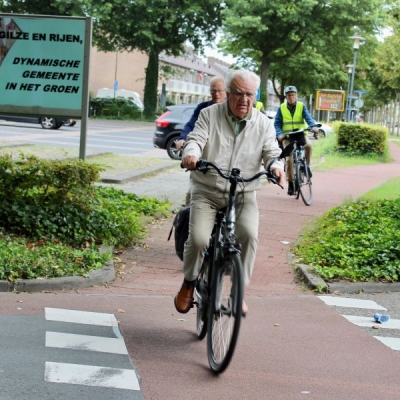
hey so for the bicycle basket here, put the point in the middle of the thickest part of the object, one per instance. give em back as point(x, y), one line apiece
point(298, 137)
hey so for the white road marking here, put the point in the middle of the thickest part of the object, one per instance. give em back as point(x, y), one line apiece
point(85, 342)
point(393, 343)
point(350, 303)
point(88, 375)
point(369, 322)
point(80, 317)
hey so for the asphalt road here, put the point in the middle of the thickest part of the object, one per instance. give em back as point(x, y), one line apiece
point(119, 137)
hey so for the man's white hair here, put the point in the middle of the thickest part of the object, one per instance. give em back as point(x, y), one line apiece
point(241, 73)
point(216, 79)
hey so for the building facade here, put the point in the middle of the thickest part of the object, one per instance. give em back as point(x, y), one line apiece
point(185, 79)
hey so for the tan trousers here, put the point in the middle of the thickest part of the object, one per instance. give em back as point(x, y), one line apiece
point(289, 160)
point(203, 209)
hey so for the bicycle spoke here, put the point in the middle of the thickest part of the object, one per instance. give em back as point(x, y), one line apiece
point(225, 314)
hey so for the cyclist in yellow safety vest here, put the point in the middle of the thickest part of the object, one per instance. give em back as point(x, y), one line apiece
point(290, 116)
point(259, 105)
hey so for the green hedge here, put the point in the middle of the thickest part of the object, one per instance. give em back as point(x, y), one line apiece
point(117, 108)
point(361, 139)
point(57, 200)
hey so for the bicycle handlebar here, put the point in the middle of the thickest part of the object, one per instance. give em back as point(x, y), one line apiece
point(204, 166)
point(308, 129)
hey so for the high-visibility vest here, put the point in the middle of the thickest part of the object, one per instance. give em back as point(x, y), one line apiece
point(292, 123)
point(259, 105)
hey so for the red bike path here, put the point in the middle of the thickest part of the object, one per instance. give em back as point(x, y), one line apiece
point(291, 345)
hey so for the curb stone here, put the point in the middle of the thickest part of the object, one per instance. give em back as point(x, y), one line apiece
point(316, 282)
point(141, 173)
point(96, 277)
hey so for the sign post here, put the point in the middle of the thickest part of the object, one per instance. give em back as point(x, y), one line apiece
point(330, 100)
point(44, 67)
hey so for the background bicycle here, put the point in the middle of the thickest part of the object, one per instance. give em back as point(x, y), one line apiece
point(301, 170)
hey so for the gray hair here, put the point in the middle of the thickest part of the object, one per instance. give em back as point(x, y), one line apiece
point(241, 73)
point(216, 79)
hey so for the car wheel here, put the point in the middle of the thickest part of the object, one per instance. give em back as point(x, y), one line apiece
point(319, 134)
point(48, 123)
point(172, 151)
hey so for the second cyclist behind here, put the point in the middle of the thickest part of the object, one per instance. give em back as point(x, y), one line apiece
point(290, 116)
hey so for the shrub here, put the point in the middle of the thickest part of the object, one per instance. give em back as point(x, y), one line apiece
point(358, 241)
point(21, 258)
point(53, 217)
point(360, 139)
point(117, 108)
point(57, 200)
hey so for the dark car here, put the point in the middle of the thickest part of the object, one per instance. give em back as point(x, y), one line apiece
point(46, 122)
point(169, 127)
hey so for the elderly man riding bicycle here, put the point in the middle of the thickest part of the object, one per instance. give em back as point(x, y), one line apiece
point(229, 134)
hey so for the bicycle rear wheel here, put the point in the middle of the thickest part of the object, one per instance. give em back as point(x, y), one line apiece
point(304, 181)
point(225, 312)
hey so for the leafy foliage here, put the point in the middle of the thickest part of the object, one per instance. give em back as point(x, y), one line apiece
point(21, 258)
point(114, 108)
point(358, 241)
point(356, 139)
point(53, 217)
point(154, 26)
point(273, 34)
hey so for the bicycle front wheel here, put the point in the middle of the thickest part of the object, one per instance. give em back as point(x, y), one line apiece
point(304, 182)
point(201, 292)
point(225, 312)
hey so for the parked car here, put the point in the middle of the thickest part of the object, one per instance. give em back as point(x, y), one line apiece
point(46, 122)
point(169, 127)
point(323, 131)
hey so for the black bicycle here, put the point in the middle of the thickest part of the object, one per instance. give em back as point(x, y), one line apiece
point(219, 288)
point(301, 170)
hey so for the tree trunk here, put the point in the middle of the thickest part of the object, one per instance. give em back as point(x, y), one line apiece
point(264, 81)
point(151, 86)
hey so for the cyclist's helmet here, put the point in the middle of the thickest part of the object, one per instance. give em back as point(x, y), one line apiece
point(289, 89)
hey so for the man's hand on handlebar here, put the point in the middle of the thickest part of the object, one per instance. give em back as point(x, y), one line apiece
point(179, 144)
point(280, 175)
point(189, 162)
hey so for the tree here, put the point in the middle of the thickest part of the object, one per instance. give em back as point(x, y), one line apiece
point(273, 34)
point(153, 27)
point(150, 26)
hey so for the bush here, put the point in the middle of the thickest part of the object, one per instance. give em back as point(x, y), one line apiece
point(53, 217)
point(361, 139)
point(57, 200)
point(117, 108)
point(358, 241)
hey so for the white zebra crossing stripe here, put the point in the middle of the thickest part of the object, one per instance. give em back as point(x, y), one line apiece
point(369, 322)
point(88, 375)
point(80, 317)
point(350, 303)
point(393, 343)
point(85, 342)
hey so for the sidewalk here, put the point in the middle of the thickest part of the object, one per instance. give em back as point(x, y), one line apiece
point(154, 269)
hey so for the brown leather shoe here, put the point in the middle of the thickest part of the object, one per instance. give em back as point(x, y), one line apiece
point(184, 299)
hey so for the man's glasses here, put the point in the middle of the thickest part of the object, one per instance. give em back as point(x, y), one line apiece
point(240, 94)
point(217, 91)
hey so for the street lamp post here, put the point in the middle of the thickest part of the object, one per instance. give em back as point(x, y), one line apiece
point(356, 45)
point(348, 99)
